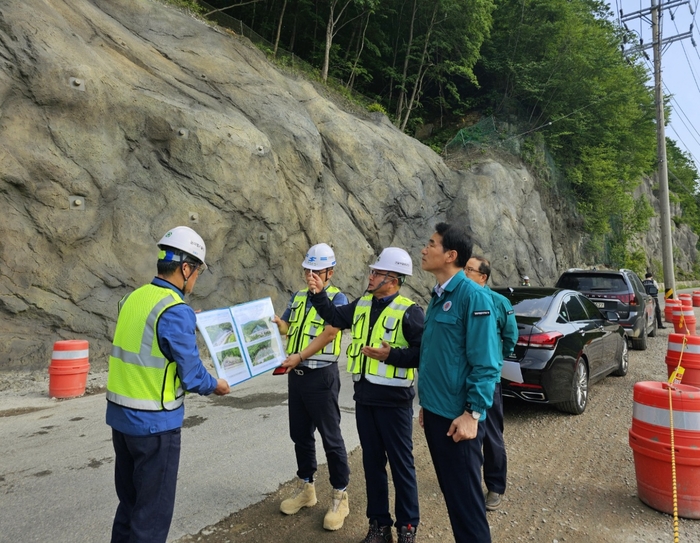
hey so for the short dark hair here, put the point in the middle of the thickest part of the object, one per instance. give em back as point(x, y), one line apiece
point(484, 266)
point(455, 238)
point(168, 267)
point(648, 275)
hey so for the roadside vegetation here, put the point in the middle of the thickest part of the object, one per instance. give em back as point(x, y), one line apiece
point(548, 76)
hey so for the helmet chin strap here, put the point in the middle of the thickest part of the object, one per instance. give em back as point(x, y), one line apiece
point(386, 277)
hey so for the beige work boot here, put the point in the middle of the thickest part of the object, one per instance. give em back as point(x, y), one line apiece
point(304, 496)
point(339, 509)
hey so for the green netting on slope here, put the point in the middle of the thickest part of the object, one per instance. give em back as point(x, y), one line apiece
point(487, 133)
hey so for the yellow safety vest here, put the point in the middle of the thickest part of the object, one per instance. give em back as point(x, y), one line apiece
point(140, 377)
point(389, 328)
point(305, 327)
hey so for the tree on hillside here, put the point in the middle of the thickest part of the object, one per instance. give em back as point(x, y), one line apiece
point(683, 179)
point(558, 65)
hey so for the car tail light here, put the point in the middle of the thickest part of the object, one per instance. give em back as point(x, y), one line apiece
point(630, 299)
point(543, 340)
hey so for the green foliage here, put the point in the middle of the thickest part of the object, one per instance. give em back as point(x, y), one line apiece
point(551, 67)
point(376, 106)
point(683, 181)
point(190, 5)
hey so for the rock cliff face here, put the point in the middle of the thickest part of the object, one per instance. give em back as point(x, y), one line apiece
point(120, 119)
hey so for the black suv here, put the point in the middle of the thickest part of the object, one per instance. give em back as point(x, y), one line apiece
point(617, 290)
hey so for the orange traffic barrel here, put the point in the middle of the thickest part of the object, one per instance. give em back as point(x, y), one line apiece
point(688, 355)
point(69, 368)
point(683, 319)
point(696, 298)
point(686, 299)
point(669, 306)
point(650, 439)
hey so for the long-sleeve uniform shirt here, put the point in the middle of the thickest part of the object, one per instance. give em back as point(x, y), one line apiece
point(369, 393)
point(175, 329)
point(460, 355)
point(505, 320)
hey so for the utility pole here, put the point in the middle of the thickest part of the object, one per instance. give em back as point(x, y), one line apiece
point(662, 173)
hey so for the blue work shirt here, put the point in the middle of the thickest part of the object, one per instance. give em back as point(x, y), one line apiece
point(505, 320)
point(460, 355)
point(175, 330)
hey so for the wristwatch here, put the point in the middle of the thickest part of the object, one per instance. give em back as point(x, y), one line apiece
point(475, 414)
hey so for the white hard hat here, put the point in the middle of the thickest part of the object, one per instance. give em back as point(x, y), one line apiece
point(526, 278)
point(186, 240)
point(319, 257)
point(395, 260)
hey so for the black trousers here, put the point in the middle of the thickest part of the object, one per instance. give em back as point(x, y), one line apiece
point(458, 469)
point(313, 405)
point(495, 459)
point(145, 477)
point(386, 433)
point(657, 310)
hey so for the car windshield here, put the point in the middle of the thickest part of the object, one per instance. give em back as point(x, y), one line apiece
point(593, 282)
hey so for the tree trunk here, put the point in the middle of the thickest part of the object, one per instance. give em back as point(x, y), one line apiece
point(422, 68)
point(404, 75)
point(330, 34)
point(279, 29)
point(351, 79)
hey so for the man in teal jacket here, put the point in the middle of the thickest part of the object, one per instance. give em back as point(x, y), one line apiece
point(460, 364)
point(495, 459)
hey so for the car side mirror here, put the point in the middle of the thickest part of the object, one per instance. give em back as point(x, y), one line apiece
point(612, 316)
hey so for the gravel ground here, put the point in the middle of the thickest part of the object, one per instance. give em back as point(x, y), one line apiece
point(570, 478)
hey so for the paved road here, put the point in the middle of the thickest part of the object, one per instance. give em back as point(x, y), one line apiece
point(56, 464)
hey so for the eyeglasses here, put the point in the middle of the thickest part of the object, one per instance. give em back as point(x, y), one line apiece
point(474, 270)
point(375, 273)
point(317, 272)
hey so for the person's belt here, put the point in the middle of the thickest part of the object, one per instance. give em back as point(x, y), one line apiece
point(302, 370)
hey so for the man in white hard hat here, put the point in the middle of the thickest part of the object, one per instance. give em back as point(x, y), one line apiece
point(386, 334)
point(478, 269)
point(154, 360)
point(313, 349)
point(525, 282)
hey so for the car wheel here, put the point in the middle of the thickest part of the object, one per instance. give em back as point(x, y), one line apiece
point(624, 362)
point(579, 391)
point(640, 343)
point(652, 332)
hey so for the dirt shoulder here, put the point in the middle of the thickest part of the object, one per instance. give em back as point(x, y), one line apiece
point(570, 478)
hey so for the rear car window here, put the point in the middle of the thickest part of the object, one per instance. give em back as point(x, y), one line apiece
point(593, 282)
point(531, 307)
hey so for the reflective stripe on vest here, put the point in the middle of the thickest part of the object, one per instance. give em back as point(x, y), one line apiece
point(305, 326)
point(656, 416)
point(140, 377)
point(389, 328)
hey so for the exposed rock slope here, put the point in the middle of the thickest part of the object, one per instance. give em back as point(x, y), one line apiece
point(120, 119)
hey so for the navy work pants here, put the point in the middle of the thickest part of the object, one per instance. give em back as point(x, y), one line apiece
point(387, 433)
point(495, 460)
point(313, 405)
point(145, 477)
point(458, 469)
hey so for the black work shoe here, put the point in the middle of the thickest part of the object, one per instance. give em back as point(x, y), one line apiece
point(407, 534)
point(378, 534)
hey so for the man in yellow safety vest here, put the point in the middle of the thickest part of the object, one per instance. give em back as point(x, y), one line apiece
point(313, 349)
point(386, 335)
point(154, 360)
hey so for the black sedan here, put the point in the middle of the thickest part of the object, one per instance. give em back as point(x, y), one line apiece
point(565, 343)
